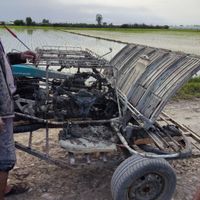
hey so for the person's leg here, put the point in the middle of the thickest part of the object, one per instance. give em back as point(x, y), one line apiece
point(197, 195)
point(7, 154)
point(3, 183)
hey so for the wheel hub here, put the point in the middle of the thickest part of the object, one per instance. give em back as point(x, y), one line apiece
point(146, 187)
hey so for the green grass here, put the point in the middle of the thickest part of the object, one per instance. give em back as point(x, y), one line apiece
point(190, 90)
point(123, 30)
point(139, 30)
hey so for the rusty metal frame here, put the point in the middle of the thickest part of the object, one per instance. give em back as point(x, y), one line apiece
point(143, 93)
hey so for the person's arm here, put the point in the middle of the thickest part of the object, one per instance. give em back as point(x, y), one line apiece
point(18, 58)
point(15, 58)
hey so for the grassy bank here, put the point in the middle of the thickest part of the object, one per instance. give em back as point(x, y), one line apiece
point(190, 90)
point(138, 30)
point(114, 29)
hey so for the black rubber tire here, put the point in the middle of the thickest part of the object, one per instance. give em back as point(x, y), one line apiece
point(135, 167)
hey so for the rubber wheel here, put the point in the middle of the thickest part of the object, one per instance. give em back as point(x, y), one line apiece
point(139, 178)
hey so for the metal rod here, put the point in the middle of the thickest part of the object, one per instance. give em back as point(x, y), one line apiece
point(41, 155)
point(185, 128)
point(30, 139)
point(55, 123)
point(15, 36)
point(187, 152)
point(47, 140)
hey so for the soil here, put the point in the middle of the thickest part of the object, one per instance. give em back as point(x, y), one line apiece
point(50, 182)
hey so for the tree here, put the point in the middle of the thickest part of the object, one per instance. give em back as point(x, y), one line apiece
point(110, 25)
point(19, 22)
point(29, 21)
point(45, 21)
point(99, 19)
point(105, 24)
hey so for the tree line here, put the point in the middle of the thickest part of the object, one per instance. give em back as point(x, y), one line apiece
point(29, 22)
point(99, 24)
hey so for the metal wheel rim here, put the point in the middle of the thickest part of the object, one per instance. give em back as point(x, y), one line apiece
point(149, 186)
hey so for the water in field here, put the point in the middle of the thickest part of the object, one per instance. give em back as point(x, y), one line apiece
point(34, 38)
point(188, 42)
point(185, 41)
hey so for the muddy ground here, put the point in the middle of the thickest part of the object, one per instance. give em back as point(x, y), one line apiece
point(49, 182)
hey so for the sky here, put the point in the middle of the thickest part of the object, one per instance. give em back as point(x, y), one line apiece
point(170, 12)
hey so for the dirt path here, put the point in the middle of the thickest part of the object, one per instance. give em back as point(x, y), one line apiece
point(188, 171)
point(48, 182)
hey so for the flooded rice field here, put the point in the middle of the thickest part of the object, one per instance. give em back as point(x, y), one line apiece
point(185, 41)
point(34, 38)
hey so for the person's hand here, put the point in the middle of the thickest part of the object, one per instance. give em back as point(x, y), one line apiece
point(30, 55)
point(1, 124)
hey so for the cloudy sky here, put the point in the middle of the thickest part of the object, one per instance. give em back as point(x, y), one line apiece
point(171, 12)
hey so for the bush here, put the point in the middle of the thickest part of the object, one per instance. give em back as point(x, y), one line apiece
point(190, 90)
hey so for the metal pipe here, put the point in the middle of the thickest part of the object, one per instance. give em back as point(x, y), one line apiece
point(187, 152)
point(15, 36)
point(66, 122)
point(42, 155)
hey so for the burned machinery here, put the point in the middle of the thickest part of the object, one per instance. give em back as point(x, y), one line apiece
point(107, 109)
point(69, 98)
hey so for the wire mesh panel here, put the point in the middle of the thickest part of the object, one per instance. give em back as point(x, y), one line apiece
point(67, 56)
